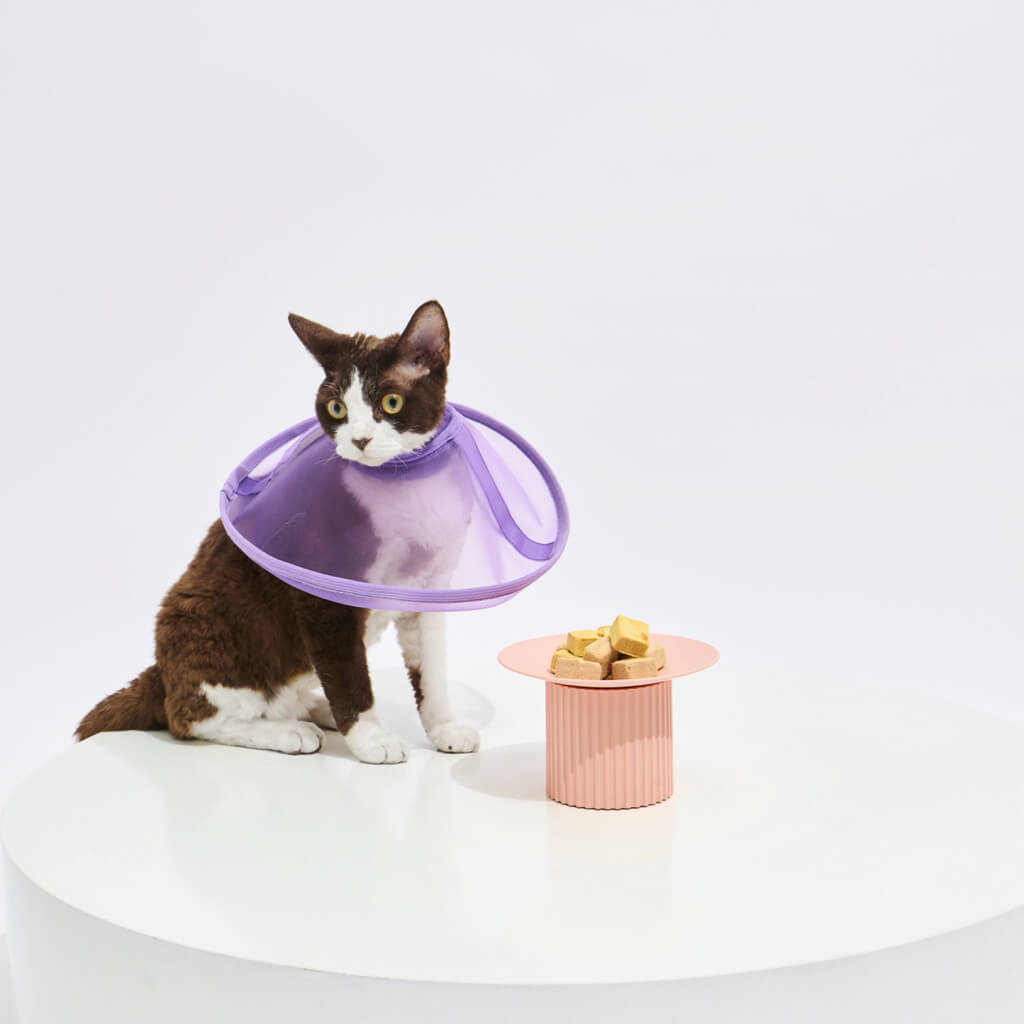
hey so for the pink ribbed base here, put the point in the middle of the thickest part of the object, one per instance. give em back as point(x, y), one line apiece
point(609, 748)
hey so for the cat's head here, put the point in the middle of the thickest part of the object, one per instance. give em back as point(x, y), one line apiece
point(380, 397)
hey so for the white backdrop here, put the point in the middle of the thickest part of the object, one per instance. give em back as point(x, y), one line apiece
point(747, 274)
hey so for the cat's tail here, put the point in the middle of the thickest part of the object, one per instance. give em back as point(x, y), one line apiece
point(140, 705)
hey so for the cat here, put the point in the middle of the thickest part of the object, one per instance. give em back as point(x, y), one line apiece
point(243, 658)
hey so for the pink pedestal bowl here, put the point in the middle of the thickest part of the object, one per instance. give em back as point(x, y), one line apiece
point(609, 741)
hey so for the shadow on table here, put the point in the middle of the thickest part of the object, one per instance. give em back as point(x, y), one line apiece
point(515, 772)
point(401, 716)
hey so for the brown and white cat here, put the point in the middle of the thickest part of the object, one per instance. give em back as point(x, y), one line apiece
point(241, 657)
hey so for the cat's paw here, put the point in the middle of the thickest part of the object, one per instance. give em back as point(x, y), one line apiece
point(377, 747)
point(297, 737)
point(454, 738)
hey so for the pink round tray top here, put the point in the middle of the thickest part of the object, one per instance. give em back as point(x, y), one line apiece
point(533, 658)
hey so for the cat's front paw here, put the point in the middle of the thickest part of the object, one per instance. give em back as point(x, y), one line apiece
point(379, 747)
point(454, 738)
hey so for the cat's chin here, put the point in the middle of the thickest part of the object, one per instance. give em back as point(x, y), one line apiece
point(362, 459)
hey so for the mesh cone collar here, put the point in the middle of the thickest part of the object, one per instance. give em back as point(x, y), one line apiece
point(464, 522)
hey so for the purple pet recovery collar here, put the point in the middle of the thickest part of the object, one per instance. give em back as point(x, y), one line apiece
point(465, 522)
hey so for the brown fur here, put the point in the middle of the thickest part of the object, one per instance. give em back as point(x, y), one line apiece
point(414, 678)
point(227, 621)
point(139, 705)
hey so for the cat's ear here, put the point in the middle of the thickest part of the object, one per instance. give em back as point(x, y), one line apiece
point(323, 343)
point(424, 342)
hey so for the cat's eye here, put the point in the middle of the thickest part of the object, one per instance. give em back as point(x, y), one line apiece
point(392, 403)
point(337, 409)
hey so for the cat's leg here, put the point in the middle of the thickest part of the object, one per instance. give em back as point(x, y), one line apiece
point(235, 715)
point(302, 698)
point(422, 638)
point(333, 635)
point(319, 712)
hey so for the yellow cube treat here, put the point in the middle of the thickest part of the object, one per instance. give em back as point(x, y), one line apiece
point(576, 668)
point(629, 636)
point(634, 668)
point(657, 652)
point(601, 652)
point(578, 639)
point(603, 630)
point(561, 652)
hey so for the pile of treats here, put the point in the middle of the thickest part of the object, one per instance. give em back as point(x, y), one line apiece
point(622, 650)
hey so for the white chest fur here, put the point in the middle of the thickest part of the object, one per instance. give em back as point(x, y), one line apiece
point(420, 525)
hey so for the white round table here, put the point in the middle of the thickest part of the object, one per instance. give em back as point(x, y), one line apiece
point(832, 852)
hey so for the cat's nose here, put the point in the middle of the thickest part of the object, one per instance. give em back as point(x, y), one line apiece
point(361, 442)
